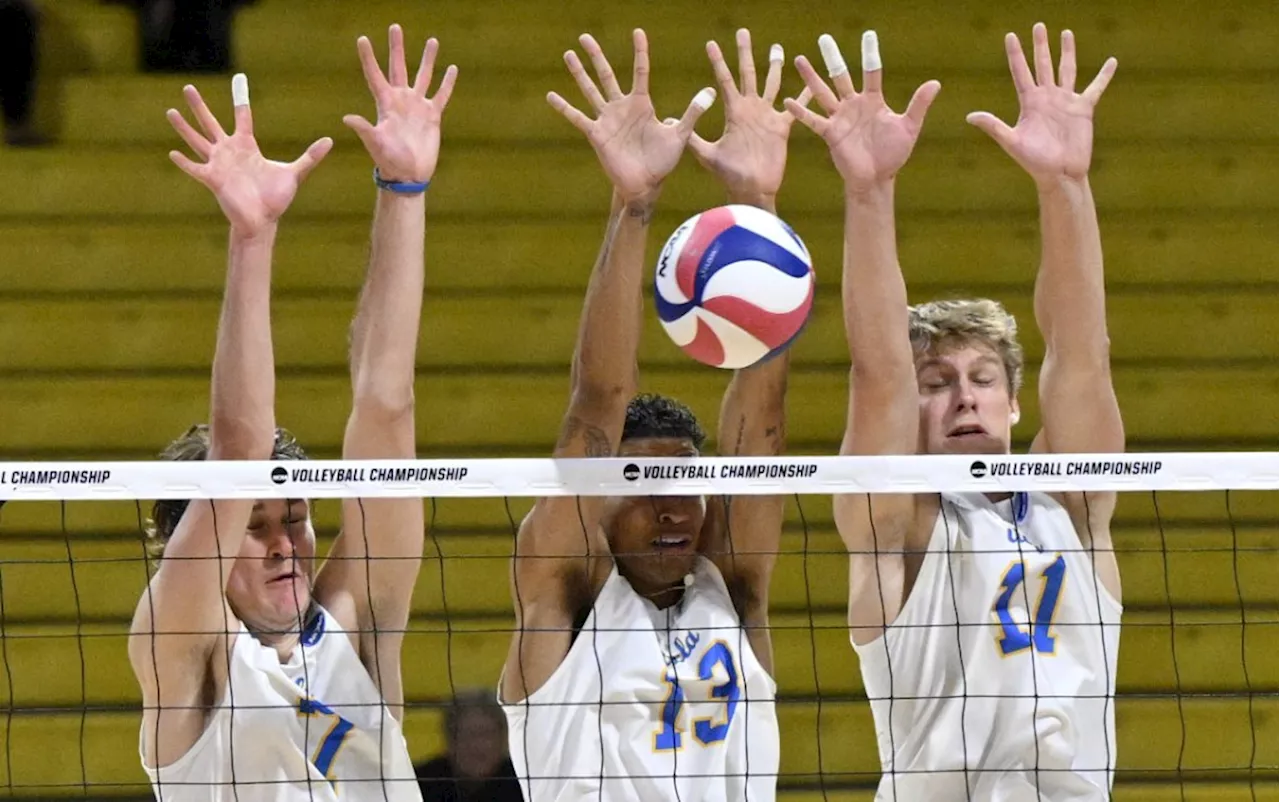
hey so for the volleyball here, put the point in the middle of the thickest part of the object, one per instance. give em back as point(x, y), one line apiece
point(733, 286)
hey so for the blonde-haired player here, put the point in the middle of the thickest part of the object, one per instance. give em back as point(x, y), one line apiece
point(261, 678)
point(987, 627)
point(641, 666)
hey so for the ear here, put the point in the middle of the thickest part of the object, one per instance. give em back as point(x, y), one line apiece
point(1016, 415)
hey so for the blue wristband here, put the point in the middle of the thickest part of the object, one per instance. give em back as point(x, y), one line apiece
point(400, 187)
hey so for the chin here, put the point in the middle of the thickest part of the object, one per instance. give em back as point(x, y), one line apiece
point(976, 445)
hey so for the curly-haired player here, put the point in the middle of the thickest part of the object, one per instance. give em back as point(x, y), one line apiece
point(641, 665)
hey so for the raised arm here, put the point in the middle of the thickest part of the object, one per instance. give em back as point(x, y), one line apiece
point(183, 613)
point(869, 144)
point(561, 555)
point(374, 564)
point(1053, 142)
point(750, 159)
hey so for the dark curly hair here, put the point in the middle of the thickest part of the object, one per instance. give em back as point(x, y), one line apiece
point(194, 445)
point(653, 415)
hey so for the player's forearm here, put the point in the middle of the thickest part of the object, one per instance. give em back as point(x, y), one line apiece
point(242, 405)
point(605, 358)
point(1070, 300)
point(873, 291)
point(384, 336)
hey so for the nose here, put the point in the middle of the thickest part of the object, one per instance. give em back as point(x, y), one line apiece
point(672, 513)
point(964, 396)
point(280, 546)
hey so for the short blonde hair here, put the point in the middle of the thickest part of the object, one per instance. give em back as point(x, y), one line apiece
point(941, 325)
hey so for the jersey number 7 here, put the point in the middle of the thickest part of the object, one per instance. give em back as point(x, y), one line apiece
point(668, 738)
point(333, 739)
point(1013, 638)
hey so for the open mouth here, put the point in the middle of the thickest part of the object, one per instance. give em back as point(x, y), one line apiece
point(671, 542)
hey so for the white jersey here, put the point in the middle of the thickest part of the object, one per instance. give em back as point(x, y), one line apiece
point(314, 728)
point(652, 705)
point(997, 679)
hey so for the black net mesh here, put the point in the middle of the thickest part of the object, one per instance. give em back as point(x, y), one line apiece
point(1195, 707)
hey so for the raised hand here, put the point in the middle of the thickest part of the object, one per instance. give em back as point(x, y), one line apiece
point(636, 150)
point(405, 143)
point(750, 157)
point(252, 190)
point(1054, 133)
point(869, 142)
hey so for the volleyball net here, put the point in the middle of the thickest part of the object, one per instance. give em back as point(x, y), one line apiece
point(1195, 536)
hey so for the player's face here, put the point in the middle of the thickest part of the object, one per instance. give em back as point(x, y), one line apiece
point(270, 585)
point(965, 406)
point(655, 539)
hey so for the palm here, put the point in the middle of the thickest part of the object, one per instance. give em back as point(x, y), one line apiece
point(636, 151)
point(868, 141)
point(405, 143)
point(751, 156)
point(252, 190)
point(1054, 134)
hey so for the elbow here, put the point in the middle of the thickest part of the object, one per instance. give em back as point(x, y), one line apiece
point(383, 404)
point(234, 437)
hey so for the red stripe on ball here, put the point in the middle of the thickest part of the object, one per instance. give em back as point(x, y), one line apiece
point(771, 328)
point(710, 225)
point(705, 346)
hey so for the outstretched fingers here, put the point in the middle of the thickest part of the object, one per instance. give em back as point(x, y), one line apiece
point(640, 69)
point(821, 92)
point(837, 69)
point(369, 65)
point(199, 172)
point(1042, 54)
point(697, 107)
point(442, 95)
point(992, 126)
point(1093, 92)
point(207, 121)
point(1067, 62)
point(773, 78)
point(746, 62)
point(872, 67)
point(724, 77)
point(240, 104)
point(584, 82)
point(198, 144)
point(426, 67)
point(1022, 80)
point(796, 108)
point(604, 70)
point(304, 164)
point(921, 101)
point(397, 72)
point(575, 117)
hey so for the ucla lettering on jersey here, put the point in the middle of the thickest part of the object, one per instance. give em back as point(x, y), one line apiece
point(314, 729)
point(1001, 665)
point(652, 704)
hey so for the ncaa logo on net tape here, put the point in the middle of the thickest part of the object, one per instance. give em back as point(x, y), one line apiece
point(279, 475)
point(978, 469)
point(631, 472)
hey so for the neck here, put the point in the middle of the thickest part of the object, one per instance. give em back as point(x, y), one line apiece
point(284, 641)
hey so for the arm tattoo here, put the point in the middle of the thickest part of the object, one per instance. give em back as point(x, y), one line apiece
point(597, 441)
point(644, 211)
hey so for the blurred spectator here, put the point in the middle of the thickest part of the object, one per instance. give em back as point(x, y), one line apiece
point(477, 767)
point(18, 61)
point(185, 35)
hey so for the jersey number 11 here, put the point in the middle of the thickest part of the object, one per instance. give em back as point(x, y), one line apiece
point(1013, 638)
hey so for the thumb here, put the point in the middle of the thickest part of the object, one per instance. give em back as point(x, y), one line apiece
point(362, 127)
point(702, 149)
point(992, 126)
point(305, 163)
point(700, 103)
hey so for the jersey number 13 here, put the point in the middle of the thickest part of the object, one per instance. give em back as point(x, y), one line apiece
point(706, 730)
